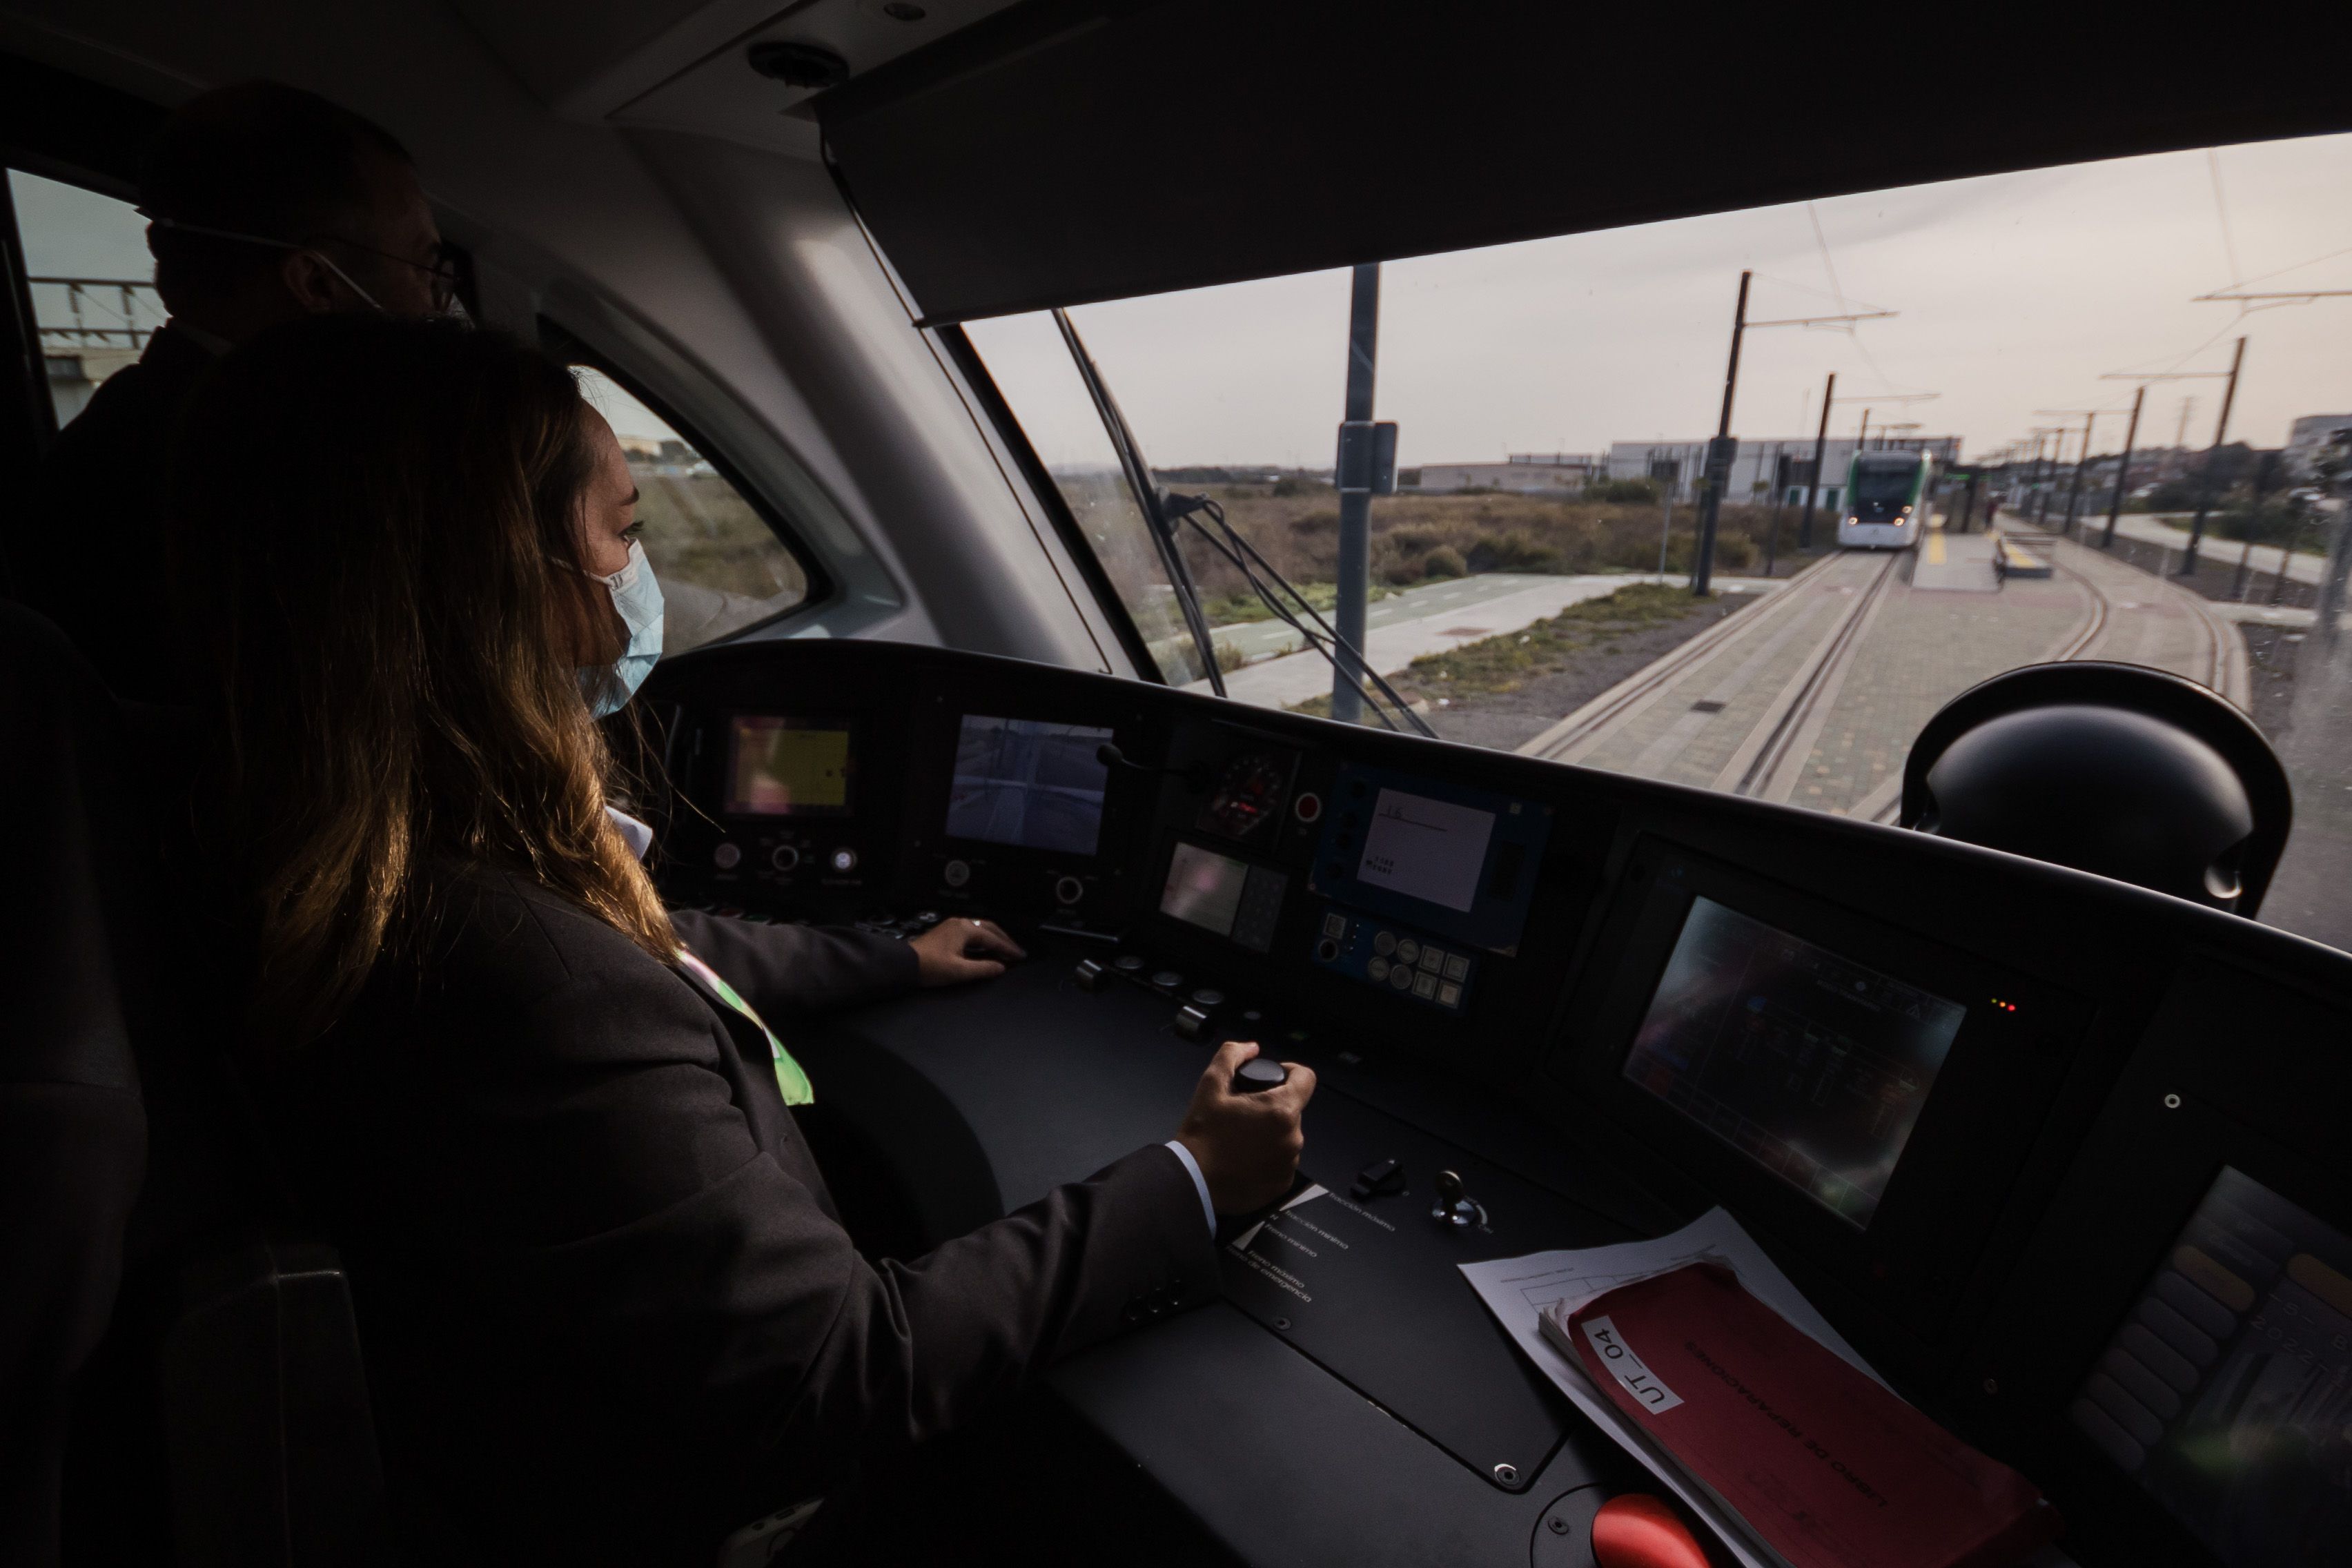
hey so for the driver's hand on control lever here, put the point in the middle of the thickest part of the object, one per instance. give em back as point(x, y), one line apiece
point(953, 951)
point(1246, 1144)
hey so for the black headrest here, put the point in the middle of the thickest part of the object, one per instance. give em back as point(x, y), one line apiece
point(2117, 769)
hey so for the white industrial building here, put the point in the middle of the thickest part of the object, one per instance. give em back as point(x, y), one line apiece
point(1521, 473)
point(1760, 465)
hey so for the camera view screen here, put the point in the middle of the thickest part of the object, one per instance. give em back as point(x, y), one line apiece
point(1204, 888)
point(1811, 1066)
point(1220, 894)
point(1028, 783)
point(782, 767)
point(2228, 1391)
point(1426, 849)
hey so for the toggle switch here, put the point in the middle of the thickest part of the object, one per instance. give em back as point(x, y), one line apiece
point(1380, 1179)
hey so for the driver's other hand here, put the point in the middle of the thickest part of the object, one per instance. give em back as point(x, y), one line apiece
point(953, 951)
point(1246, 1144)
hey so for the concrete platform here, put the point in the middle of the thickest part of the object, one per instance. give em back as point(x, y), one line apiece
point(1954, 564)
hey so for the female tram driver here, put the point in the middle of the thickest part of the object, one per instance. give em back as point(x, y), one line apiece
point(607, 1310)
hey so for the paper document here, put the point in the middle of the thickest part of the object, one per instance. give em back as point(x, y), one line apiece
point(1517, 1289)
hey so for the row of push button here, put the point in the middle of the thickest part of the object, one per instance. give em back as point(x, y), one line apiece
point(1406, 963)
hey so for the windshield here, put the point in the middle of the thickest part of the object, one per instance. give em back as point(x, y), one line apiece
point(1884, 482)
point(1034, 370)
point(2128, 377)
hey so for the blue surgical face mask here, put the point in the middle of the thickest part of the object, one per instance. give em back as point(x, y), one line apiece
point(638, 596)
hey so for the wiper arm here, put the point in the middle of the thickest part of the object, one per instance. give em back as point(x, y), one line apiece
point(1269, 583)
point(1147, 496)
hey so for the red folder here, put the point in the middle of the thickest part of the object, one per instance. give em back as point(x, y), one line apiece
point(1829, 1468)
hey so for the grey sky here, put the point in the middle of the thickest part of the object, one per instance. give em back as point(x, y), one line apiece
point(2015, 292)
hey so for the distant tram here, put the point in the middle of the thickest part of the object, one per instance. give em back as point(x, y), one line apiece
point(1886, 499)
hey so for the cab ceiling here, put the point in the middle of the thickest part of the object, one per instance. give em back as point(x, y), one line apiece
point(1067, 151)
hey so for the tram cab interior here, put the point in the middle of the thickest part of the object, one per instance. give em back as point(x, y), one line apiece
point(779, 259)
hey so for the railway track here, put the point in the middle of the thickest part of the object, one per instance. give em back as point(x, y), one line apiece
point(1809, 688)
point(1596, 717)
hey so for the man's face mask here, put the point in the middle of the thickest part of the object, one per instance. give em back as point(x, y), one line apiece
point(638, 596)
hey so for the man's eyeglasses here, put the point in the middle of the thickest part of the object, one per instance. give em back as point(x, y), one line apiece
point(442, 270)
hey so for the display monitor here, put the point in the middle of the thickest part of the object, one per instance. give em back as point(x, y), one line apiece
point(1220, 894)
point(1810, 1065)
point(1028, 783)
point(787, 767)
point(1425, 848)
point(2227, 1394)
point(1439, 857)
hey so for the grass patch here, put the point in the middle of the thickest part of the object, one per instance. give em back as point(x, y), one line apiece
point(1238, 609)
point(1504, 662)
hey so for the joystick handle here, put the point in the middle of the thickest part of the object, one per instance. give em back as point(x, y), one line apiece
point(1257, 1075)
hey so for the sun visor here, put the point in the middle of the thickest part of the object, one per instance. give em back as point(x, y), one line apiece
point(1067, 151)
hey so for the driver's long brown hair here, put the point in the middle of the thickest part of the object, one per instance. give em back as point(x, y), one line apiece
point(374, 533)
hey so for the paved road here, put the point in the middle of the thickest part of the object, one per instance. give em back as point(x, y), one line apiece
point(1432, 618)
point(1814, 696)
point(2159, 528)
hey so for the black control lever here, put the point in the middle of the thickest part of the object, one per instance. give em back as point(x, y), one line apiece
point(1454, 1205)
point(1257, 1075)
point(1195, 778)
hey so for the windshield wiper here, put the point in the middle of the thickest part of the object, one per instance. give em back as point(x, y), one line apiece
point(1271, 586)
point(1147, 496)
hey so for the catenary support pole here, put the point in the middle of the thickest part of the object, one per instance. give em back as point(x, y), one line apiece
point(2082, 461)
point(1355, 570)
point(1718, 461)
point(2212, 455)
point(1821, 445)
point(2123, 468)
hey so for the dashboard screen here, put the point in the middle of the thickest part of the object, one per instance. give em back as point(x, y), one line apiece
point(1426, 849)
point(1204, 888)
point(1028, 783)
point(787, 767)
point(1438, 857)
point(2227, 1391)
point(1220, 894)
point(1810, 1065)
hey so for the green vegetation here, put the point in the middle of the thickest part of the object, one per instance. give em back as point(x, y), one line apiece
point(1506, 662)
point(1238, 609)
point(1417, 537)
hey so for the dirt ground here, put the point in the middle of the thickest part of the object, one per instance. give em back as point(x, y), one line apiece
point(1589, 657)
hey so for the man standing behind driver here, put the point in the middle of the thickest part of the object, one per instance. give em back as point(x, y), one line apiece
point(265, 203)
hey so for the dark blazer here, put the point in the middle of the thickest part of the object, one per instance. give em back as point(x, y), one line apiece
point(87, 545)
point(607, 1310)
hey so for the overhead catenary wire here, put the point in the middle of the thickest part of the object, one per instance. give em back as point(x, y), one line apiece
point(2222, 211)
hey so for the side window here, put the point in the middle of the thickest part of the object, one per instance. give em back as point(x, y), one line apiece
point(722, 567)
point(94, 299)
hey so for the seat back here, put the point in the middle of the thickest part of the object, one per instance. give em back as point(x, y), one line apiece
point(178, 1325)
point(72, 1127)
point(267, 1432)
